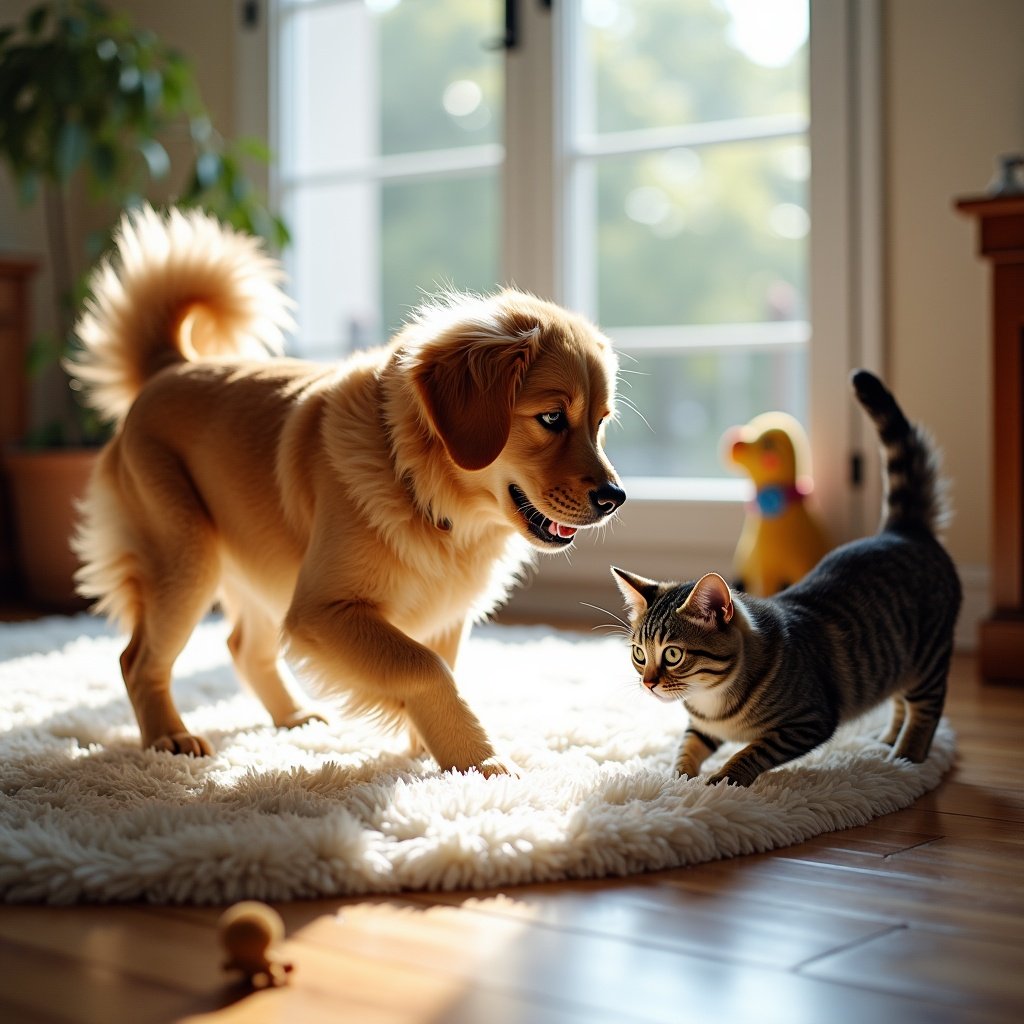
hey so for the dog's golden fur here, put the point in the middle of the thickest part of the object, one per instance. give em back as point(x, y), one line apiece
point(356, 514)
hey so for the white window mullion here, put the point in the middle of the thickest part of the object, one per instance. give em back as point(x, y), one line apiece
point(529, 235)
point(846, 253)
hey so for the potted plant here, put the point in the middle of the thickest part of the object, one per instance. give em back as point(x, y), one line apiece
point(92, 110)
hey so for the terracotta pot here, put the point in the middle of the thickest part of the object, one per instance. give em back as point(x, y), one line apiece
point(44, 486)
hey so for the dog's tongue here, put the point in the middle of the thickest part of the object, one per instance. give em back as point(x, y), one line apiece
point(558, 530)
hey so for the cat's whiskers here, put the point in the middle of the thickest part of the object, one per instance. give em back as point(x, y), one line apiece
point(604, 611)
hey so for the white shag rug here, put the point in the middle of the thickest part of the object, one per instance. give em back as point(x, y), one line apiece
point(337, 809)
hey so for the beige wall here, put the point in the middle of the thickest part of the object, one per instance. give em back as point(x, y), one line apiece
point(954, 101)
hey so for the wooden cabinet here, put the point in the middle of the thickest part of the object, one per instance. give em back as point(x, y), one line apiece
point(15, 280)
point(1001, 242)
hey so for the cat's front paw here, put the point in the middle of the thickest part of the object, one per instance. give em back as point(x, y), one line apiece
point(724, 776)
point(687, 768)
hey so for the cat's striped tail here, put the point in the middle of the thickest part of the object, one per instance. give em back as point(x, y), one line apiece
point(915, 492)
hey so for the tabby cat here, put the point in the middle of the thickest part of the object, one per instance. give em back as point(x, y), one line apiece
point(874, 619)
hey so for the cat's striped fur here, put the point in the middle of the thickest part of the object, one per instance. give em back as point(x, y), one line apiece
point(873, 620)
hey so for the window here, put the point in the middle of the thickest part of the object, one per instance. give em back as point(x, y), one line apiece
point(390, 146)
point(687, 165)
point(648, 162)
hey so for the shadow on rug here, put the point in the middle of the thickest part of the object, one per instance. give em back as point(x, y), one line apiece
point(336, 809)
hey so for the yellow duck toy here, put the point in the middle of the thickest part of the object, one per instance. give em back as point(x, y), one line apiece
point(781, 540)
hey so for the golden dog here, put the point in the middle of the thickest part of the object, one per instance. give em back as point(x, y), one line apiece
point(357, 515)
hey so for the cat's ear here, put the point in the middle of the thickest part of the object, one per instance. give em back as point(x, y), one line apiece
point(709, 601)
point(638, 591)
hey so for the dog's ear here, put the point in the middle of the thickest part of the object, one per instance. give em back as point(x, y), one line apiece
point(468, 383)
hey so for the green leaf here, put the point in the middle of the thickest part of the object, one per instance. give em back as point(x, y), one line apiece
point(96, 244)
point(200, 129)
point(253, 147)
point(282, 236)
point(106, 49)
point(104, 162)
point(157, 160)
point(153, 89)
point(69, 149)
point(36, 20)
point(50, 435)
point(130, 79)
point(44, 351)
point(73, 28)
point(208, 169)
point(28, 187)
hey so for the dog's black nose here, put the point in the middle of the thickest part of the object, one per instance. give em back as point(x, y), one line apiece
point(607, 498)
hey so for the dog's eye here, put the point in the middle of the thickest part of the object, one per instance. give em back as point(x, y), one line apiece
point(554, 421)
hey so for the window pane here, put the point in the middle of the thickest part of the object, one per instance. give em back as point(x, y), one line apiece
point(330, 69)
point(370, 252)
point(441, 83)
point(390, 131)
point(659, 63)
point(689, 223)
point(437, 234)
point(365, 80)
point(334, 267)
point(689, 400)
point(708, 235)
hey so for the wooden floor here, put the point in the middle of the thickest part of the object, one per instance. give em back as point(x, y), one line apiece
point(918, 917)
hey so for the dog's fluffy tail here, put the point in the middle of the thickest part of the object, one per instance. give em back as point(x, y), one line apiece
point(178, 286)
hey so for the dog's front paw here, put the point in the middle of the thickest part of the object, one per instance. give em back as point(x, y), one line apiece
point(495, 765)
point(299, 718)
point(183, 743)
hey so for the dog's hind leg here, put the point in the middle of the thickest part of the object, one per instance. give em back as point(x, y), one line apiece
point(254, 644)
point(170, 611)
point(172, 567)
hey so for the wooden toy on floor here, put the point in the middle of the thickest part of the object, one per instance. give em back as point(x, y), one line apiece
point(248, 932)
point(782, 540)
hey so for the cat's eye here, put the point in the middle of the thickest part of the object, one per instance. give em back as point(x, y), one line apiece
point(555, 421)
point(638, 654)
point(672, 656)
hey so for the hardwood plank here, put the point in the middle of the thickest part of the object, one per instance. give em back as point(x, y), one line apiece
point(179, 953)
point(931, 965)
point(894, 897)
point(41, 987)
point(716, 927)
point(959, 862)
point(917, 819)
point(610, 975)
point(975, 801)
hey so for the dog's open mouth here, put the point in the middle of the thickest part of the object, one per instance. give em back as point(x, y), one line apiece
point(545, 530)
